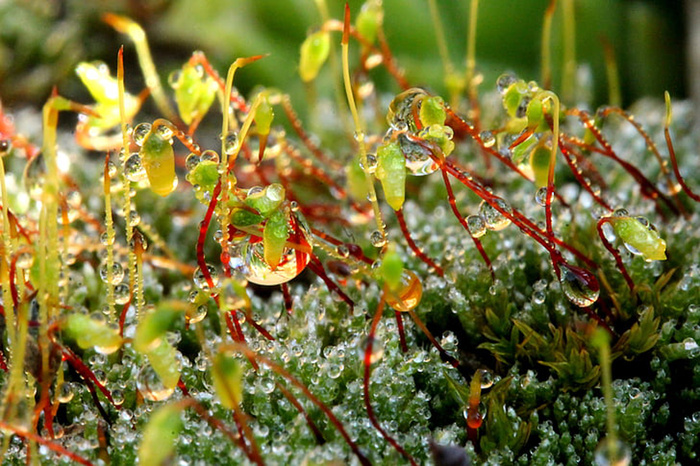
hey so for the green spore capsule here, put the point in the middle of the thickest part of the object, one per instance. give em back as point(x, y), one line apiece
point(391, 172)
point(639, 237)
point(158, 159)
point(314, 53)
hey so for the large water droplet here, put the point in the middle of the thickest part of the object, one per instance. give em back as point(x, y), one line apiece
point(418, 158)
point(494, 219)
point(200, 280)
point(117, 273)
point(151, 387)
point(134, 169)
point(609, 454)
point(140, 132)
point(409, 295)
point(477, 225)
point(579, 285)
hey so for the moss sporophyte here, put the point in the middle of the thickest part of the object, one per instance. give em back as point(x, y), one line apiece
point(538, 260)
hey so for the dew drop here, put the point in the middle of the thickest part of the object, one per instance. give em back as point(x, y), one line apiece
point(579, 285)
point(150, 386)
point(371, 166)
point(117, 273)
point(231, 143)
point(121, 293)
point(494, 219)
point(106, 239)
point(541, 196)
point(487, 138)
point(165, 132)
point(140, 132)
point(378, 239)
point(192, 161)
point(486, 378)
point(200, 280)
point(477, 225)
point(504, 81)
point(65, 392)
point(134, 169)
point(409, 296)
point(195, 314)
point(174, 79)
point(607, 454)
point(210, 156)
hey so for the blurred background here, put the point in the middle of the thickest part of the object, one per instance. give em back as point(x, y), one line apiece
point(42, 40)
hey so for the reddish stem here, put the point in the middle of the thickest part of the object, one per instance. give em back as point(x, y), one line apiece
point(416, 250)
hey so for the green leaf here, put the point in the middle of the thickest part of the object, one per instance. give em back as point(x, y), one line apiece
point(275, 236)
point(163, 359)
point(153, 327)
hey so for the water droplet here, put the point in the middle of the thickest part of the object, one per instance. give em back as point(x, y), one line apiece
point(504, 81)
point(65, 392)
point(195, 314)
point(419, 161)
point(621, 213)
point(134, 218)
point(292, 263)
point(117, 273)
point(118, 397)
point(192, 161)
point(477, 225)
point(34, 176)
point(541, 196)
point(134, 169)
point(231, 143)
point(371, 166)
point(140, 132)
point(494, 219)
point(106, 239)
point(608, 454)
point(100, 376)
point(378, 239)
point(200, 280)
point(121, 293)
point(165, 132)
point(150, 386)
point(342, 251)
point(579, 285)
point(538, 297)
point(174, 79)
point(210, 156)
point(486, 379)
point(409, 295)
point(487, 138)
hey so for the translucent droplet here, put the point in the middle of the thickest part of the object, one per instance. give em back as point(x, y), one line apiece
point(477, 225)
point(343, 251)
point(210, 156)
point(111, 169)
point(140, 132)
point(200, 280)
point(487, 138)
point(100, 376)
point(195, 314)
point(150, 386)
point(371, 165)
point(134, 218)
point(165, 132)
point(292, 263)
point(409, 295)
point(486, 378)
point(106, 239)
point(579, 285)
point(118, 397)
point(121, 293)
point(134, 169)
point(174, 79)
point(608, 454)
point(538, 297)
point(621, 213)
point(231, 143)
point(65, 392)
point(192, 161)
point(378, 239)
point(541, 196)
point(504, 81)
point(418, 157)
point(117, 273)
point(494, 219)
